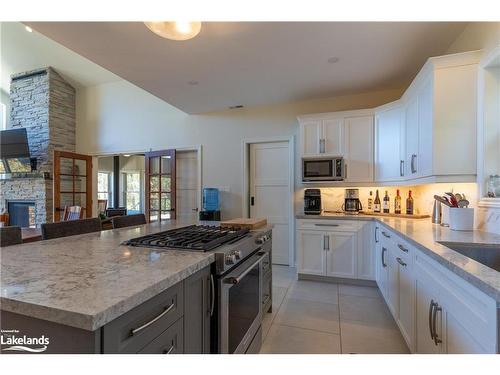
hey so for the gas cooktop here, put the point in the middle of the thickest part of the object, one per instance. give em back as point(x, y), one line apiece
point(195, 238)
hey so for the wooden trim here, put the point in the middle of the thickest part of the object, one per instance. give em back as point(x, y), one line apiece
point(147, 182)
point(57, 181)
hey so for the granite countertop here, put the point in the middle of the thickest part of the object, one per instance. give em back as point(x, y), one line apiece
point(88, 280)
point(425, 236)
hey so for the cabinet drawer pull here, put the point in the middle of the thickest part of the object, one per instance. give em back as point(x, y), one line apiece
point(401, 247)
point(322, 146)
point(383, 257)
point(400, 261)
point(326, 242)
point(212, 295)
point(386, 235)
point(171, 349)
point(431, 308)
point(413, 168)
point(401, 168)
point(437, 308)
point(145, 325)
point(326, 225)
point(376, 237)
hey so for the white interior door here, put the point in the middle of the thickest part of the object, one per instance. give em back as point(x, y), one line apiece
point(187, 193)
point(270, 190)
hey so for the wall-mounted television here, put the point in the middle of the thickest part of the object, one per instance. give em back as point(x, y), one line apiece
point(14, 151)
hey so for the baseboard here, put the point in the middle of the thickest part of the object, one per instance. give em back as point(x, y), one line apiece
point(338, 280)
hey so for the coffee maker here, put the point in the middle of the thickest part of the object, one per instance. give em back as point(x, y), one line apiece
point(312, 202)
point(352, 204)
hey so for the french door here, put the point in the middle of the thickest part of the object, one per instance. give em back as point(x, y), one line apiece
point(160, 185)
point(72, 182)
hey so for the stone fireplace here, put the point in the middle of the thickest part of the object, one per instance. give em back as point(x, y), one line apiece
point(43, 103)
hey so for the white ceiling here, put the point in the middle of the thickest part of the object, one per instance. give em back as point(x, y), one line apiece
point(23, 51)
point(258, 63)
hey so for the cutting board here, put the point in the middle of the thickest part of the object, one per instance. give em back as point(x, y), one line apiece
point(243, 223)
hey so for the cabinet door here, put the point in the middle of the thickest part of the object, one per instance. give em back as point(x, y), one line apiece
point(333, 137)
point(310, 135)
point(381, 263)
point(458, 339)
point(426, 293)
point(407, 302)
point(392, 282)
point(366, 255)
point(197, 303)
point(390, 147)
point(425, 127)
point(411, 119)
point(341, 254)
point(359, 149)
point(310, 252)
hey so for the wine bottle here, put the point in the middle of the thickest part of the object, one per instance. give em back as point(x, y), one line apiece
point(370, 201)
point(397, 203)
point(386, 203)
point(409, 204)
point(376, 203)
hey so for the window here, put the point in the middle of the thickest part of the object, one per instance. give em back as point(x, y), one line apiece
point(132, 192)
point(104, 187)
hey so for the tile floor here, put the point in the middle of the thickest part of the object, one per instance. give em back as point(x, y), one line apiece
point(313, 317)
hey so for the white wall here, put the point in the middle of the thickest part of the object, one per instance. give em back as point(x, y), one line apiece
point(121, 118)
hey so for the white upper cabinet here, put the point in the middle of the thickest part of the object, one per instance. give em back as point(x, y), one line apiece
point(413, 138)
point(349, 134)
point(440, 114)
point(322, 137)
point(311, 135)
point(411, 143)
point(333, 137)
point(359, 146)
point(390, 143)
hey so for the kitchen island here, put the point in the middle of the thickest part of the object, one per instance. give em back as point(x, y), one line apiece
point(75, 289)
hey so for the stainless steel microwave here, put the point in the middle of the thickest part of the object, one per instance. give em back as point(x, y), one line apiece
point(323, 168)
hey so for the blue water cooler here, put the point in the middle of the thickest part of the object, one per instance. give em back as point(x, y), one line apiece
point(210, 205)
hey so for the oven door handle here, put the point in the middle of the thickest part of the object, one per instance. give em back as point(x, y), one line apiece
point(237, 279)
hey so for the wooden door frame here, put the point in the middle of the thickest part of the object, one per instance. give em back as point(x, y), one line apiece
point(245, 198)
point(57, 177)
point(173, 187)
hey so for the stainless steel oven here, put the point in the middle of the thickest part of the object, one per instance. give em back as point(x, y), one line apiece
point(323, 168)
point(240, 305)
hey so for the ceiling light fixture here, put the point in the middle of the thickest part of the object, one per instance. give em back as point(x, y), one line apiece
point(28, 29)
point(175, 30)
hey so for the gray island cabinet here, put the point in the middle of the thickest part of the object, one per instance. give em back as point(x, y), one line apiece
point(93, 294)
point(175, 321)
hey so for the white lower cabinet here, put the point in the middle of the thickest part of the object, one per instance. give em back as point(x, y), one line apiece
point(392, 295)
point(436, 311)
point(312, 258)
point(335, 248)
point(341, 254)
point(452, 316)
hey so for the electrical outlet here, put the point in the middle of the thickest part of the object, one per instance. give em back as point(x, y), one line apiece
point(224, 188)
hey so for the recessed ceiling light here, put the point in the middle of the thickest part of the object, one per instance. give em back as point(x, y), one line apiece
point(193, 83)
point(126, 155)
point(236, 106)
point(333, 60)
point(28, 29)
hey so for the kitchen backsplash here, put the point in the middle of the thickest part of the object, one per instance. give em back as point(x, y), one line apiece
point(423, 195)
point(485, 218)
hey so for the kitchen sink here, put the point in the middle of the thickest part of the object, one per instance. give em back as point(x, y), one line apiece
point(487, 254)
